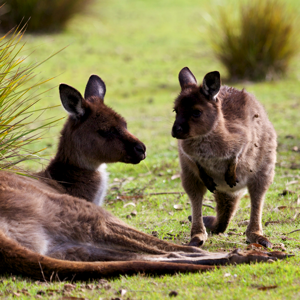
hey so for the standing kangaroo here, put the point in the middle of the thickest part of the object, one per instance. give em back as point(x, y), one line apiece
point(50, 226)
point(226, 144)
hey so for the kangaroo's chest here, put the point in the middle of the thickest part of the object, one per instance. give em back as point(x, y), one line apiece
point(216, 168)
point(215, 161)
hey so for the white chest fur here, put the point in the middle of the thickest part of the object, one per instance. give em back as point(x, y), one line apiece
point(101, 192)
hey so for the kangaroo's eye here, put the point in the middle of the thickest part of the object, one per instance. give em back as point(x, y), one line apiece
point(104, 133)
point(107, 133)
point(196, 113)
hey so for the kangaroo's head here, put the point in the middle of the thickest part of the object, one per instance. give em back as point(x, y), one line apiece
point(94, 133)
point(197, 107)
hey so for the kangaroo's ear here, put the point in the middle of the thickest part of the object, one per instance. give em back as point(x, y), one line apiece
point(71, 100)
point(95, 87)
point(211, 84)
point(186, 78)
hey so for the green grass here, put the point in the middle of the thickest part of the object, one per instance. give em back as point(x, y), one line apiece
point(138, 48)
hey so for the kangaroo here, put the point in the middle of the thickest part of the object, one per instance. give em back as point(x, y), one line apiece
point(52, 226)
point(93, 136)
point(226, 144)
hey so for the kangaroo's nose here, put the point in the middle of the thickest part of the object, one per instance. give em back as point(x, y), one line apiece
point(177, 129)
point(139, 149)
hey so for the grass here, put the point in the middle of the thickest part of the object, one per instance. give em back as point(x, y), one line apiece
point(138, 48)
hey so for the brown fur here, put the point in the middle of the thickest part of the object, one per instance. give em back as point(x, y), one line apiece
point(226, 144)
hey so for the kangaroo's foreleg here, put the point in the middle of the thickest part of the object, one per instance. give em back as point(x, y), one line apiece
point(230, 174)
point(206, 179)
point(195, 188)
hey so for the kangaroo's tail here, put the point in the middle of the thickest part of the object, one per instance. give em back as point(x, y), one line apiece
point(16, 259)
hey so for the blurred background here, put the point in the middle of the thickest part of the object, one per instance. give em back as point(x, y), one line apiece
point(138, 48)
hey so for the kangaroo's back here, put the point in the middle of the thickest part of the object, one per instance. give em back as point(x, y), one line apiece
point(241, 106)
point(242, 111)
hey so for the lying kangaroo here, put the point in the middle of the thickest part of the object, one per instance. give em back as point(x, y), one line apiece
point(93, 135)
point(226, 144)
point(49, 226)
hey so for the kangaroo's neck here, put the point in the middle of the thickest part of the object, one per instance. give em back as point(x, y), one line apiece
point(78, 182)
point(72, 173)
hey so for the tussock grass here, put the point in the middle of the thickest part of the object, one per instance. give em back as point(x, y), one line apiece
point(257, 42)
point(17, 103)
point(46, 15)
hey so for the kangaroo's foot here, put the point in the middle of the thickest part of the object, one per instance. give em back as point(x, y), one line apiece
point(198, 240)
point(258, 239)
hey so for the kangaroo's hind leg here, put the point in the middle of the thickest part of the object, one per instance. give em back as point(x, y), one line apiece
point(97, 227)
point(227, 205)
point(85, 252)
point(122, 235)
point(90, 253)
point(257, 190)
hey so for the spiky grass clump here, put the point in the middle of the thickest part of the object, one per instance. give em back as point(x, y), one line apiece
point(17, 103)
point(259, 43)
point(45, 15)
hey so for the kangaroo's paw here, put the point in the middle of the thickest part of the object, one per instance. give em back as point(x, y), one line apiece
point(198, 240)
point(230, 178)
point(206, 179)
point(210, 184)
